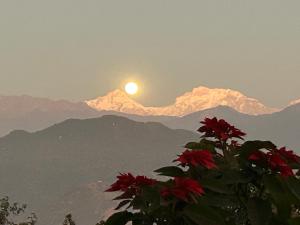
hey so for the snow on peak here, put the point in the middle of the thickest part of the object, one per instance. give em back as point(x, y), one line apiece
point(198, 99)
point(205, 98)
point(295, 102)
point(119, 101)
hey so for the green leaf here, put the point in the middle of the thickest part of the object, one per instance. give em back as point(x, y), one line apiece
point(152, 198)
point(294, 186)
point(235, 177)
point(141, 219)
point(137, 203)
point(119, 218)
point(294, 221)
point(294, 166)
point(125, 195)
point(150, 193)
point(259, 211)
point(250, 146)
point(122, 204)
point(193, 145)
point(216, 186)
point(279, 195)
point(220, 200)
point(203, 215)
point(203, 144)
point(170, 171)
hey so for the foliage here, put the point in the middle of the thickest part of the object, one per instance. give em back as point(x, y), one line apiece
point(10, 210)
point(68, 220)
point(220, 180)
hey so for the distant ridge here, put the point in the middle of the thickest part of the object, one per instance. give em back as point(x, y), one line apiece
point(66, 167)
point(282, 127)
point(73, 161)
point(198, 99)
point(32, 113)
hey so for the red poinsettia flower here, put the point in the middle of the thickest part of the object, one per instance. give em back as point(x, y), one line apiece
point(125, 180)
point(277, 163)
point(197, 157)
point(128, 181)
point(289, 155)
point(144, 181)
point(274, 160)
point(220, 129)
point(182, 189)
point(258, 156)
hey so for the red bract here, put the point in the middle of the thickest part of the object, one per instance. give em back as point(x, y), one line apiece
point(128, 181)
point(289, 155)
point(144, 181)
point(123, 183)
point(182, 189)
point(277, 163)
point(220, 129)
point(274, 161)
point(258, 156)
point(197, 157)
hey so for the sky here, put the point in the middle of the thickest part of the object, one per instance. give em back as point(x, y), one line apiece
point(77, 50)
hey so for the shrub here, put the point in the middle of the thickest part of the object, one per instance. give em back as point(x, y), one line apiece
point(220, 180)
point(10, 210)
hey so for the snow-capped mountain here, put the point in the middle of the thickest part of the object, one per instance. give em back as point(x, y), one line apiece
point(198, 99)
point(118, 101)
point(295, 102)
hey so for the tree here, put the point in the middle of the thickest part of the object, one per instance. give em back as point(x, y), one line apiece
point(9, 210)
point(220, 180)
point(68, 220)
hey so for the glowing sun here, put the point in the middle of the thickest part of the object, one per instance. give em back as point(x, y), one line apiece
point(131, 88)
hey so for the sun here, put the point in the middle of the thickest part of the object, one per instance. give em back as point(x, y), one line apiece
point(131, 88)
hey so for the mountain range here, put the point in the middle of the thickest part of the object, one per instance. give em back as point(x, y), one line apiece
point(198, 99)
point(282, 127)
point(32, 114)
point(66, 167)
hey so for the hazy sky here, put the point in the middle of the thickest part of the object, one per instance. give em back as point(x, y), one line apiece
point(81, 49)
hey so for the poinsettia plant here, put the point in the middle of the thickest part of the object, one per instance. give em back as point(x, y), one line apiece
point(220, 180)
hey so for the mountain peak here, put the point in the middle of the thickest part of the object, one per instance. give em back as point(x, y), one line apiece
point(198, 99)
point(202, 90)
point(119, 101)
point(201, 98)
point(295, 102)
point(118, 93)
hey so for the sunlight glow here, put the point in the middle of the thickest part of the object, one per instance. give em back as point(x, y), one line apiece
point(131, 88)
